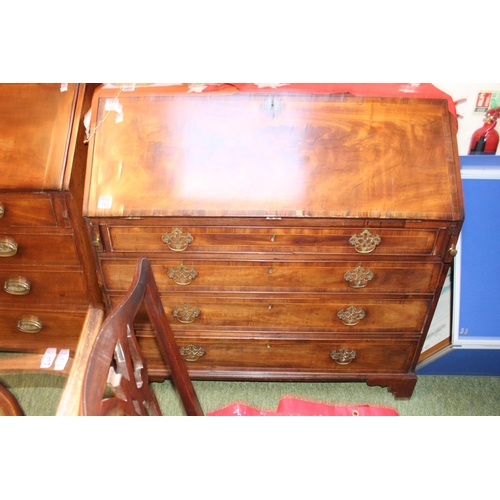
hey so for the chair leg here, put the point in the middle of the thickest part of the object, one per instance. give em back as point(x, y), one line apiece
point(9, 406)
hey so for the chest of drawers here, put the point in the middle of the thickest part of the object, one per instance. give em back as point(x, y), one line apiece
point(293, 236)
point(46, 268)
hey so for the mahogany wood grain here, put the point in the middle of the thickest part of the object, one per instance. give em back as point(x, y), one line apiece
point(273, 275)
point(265, 194)
point(269, 155)
point(113, 349)
point(27, 210)
point(293, 312)
point(35, 128)
point(374, 354)
point(43, 160)
point(47, 286)
point(60, 328)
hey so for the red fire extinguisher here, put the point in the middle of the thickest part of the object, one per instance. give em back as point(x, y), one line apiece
point(485, 139)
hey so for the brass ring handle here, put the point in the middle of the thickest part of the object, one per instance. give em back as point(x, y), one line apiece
point(29, 324)
point(17, 286)
point(186, 314)
point(177, 241)
point(351, 316)
point(343, 356)
point(192, 352)
point(2, 210)
point(8, 246)
point(181, 275)
point(358, 277)
point(365, 242)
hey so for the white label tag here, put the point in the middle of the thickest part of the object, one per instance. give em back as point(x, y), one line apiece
point(62, 359)
point(105, 202)
point(48, 357)
point(113, 105)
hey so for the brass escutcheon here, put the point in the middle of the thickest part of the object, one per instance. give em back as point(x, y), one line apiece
point(17, 286)
point(365, 242)
point(186, 313)
point(29, 324)
point(2, 210)
point(358, 277)
point(181, 275)
point(192, 352)
point(177, 241)
point(8, 247)
point(351, 316)
point(343, 356)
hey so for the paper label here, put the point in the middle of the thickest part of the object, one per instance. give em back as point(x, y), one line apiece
point(105, 202)
point(48, 357)
point(62, 359)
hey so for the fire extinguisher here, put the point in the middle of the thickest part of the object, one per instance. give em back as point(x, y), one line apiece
point(485, 139)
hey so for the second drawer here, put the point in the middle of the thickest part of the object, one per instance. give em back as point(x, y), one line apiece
point(290, 276)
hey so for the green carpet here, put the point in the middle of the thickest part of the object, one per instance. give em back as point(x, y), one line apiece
point(39, 395)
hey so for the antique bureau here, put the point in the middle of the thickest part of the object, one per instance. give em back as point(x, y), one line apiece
point(47, 274)
point(295, 233)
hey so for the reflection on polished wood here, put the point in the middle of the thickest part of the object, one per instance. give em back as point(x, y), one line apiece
point(320, 155)
point(303, 225)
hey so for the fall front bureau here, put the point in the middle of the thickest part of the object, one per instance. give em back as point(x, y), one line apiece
point(47, 274)
point(293, 235)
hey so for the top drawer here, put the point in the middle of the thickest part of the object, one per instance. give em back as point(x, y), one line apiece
point(27, 210)
point(192, 239)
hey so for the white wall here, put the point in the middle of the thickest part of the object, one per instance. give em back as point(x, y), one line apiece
point(470, 120)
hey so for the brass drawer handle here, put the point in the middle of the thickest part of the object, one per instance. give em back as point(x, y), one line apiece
point(29, 324)
point(181, 275)
point(192, 352)
point(177, 241)
point(365, 242)
point(17, 286)
point(358, 277)
point(8, 247)
point(2, 210)
point(343, 356)
point(351, 316)
point(186, 313)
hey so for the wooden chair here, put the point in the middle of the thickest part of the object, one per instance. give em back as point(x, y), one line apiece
point(109, 359)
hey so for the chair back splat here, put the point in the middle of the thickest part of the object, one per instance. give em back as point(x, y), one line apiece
point(112, 370)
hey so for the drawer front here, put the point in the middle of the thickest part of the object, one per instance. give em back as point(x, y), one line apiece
point(276, 240)
point(356, 355)
point(35, 330)
point(26, 287)
point(274, 313)
point(27, 211)
point(199, 275)
point(37, 248)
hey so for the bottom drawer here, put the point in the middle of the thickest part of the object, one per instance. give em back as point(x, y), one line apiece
point(39, 329)
point(212, 357)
